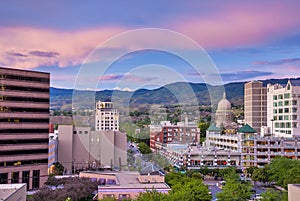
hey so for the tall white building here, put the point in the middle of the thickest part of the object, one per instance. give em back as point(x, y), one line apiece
point(283, 103)
point(107, 117)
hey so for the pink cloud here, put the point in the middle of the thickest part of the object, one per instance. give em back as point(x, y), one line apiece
point(241, 24)
point(27, 47)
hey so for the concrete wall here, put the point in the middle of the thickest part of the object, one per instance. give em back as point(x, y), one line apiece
point(65, 145)
point(293, 192)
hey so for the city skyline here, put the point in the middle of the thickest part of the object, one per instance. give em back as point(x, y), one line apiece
point(247, 41)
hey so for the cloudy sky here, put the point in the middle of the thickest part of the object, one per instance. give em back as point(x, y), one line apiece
point(245, 40)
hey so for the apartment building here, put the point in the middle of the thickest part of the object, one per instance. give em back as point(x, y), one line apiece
point(107, 117)
point(183, 133)
point(24, 127)
point(255, 150)
point(282, 109)
point(255, 105)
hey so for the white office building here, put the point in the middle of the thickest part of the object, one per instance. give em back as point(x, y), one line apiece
point(107, 117)
point(282, 109)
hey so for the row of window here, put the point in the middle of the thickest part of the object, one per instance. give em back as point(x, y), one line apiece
point(19, 120)
point(23, 78)
point(285, 110)
point(285, 125)
point(15, 178)
point(284, 103)
point(281, 96)
point(24, 141)
point(25, 131)
point(23, 152)
point(285, 117)
point(24, 99)
point(14, 109)
point(19, 88)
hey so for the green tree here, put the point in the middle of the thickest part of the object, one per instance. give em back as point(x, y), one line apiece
point(234, 190)
point(203, 127)
point(152, 196)
point(191, 189)
point(261, 175)
point(272, 195)
point(144, 148)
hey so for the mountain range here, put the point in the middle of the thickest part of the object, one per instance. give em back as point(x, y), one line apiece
point(179, 92)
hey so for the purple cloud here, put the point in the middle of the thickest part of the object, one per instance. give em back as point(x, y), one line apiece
point(16, 54)
point(243, 75)
point(43, 54)
point(278, 62)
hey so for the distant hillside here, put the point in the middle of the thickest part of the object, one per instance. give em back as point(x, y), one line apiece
point(168, 94)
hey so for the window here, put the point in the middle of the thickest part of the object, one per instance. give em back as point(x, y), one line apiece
point(275, 104)
point(287, 95)
point(288, 125)
point(25, 178)
point(280, 96)
point(280, 103)
point(280, 117)
point(3, 178)
point(286, 117)
point(14, 177)
point(286, 110)
point(274, 97)
point(36, 179)
point(280, 110)
point(275, 111)
point(286, 103)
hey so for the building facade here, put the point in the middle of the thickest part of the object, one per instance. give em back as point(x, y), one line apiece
point(182, 133)
point(81, 148)
point(255, 105)
point(224, 114)
point(24, 127)
point(255, 150)
point(107, 117)
point(283, 109)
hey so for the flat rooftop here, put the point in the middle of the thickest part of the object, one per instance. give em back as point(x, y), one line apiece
point(6, 190)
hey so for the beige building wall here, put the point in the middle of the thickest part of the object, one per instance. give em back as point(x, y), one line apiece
point(293, 192)
point(65, 146)
point(255, 105)
point(82, 148)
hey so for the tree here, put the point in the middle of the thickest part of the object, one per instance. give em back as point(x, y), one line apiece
point(203, 127)
point(261, 175)
point(272, 195)
point(234, 190)
point(58, 168)
point(191, 189)
point(144, 148)
point(152, 196)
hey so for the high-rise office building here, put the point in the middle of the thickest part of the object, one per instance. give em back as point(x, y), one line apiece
point(107, 117)
point(255, 105)
point(24, 127)
point(283, 109)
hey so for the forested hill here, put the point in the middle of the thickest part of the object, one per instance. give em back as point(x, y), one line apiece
point(62, 98)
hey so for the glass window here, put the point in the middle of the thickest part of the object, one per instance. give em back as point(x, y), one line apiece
point(287, 95)
point(3, 178)
point(286, 103)
point(274, 97)
point(280, 96)
point(36, 179)
point(286, 110)
point(14, 177)
point(275, 104)
point(280, 110)
point(25, 178)
point(286, 117)
point(280, 103)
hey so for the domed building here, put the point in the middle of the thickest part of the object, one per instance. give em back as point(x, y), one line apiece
point(224, 114)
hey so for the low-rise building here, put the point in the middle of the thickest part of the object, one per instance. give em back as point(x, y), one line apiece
point(128, 185)
point(182, 133)
point(13, 192)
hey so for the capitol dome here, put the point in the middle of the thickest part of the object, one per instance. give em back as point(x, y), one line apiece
point(224, 104)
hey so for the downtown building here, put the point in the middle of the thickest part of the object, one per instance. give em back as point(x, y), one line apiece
point(24, 127)
point(255, 105)
point(182, 133)
point(107, 117)
point(283, 103)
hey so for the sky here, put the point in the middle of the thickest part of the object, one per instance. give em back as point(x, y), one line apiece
point(128, 45)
